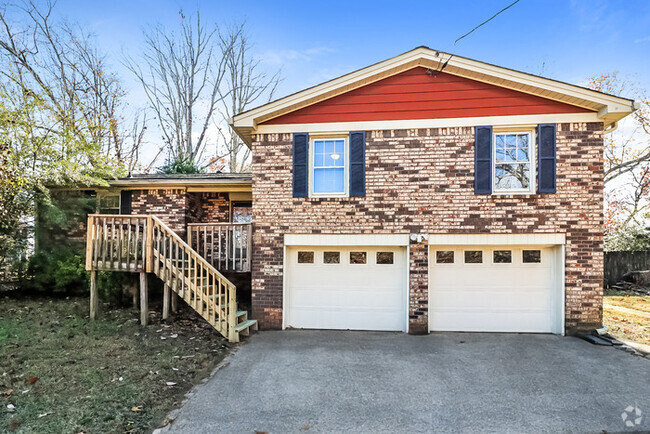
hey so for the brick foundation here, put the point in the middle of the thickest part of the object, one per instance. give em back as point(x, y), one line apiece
point(421, 181)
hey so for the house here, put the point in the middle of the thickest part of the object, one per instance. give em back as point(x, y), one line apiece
point(427, 192)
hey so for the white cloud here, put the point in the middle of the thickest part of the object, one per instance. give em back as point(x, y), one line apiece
point(641, 40)
point(281, 57)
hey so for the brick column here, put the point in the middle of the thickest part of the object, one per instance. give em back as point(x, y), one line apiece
point(418, 288)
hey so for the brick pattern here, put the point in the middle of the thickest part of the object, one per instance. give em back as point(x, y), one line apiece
point(170, 205)
point(421, 181)
point(177, 207)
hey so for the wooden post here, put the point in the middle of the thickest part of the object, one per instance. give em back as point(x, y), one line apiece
point(232, 315)
point(90, 238)
point(149, 246)
point(94, 299)
point(144, 299)
point(165, 310)
point(174, 302)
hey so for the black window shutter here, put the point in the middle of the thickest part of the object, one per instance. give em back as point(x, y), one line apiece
point(357, 163)
point(546, 158)
point(483, 160)
point(125, 201)
point(300, 164)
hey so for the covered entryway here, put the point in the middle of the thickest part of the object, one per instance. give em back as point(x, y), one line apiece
point(495, 288)
point(346, 287)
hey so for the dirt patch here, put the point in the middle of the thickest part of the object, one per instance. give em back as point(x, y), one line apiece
point(61, 372)
point(626, 325)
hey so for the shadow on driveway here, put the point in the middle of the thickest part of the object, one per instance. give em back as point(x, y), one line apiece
point(331, 381)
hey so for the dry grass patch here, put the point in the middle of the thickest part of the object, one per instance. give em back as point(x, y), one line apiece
point(625, 325)
point(60, 372)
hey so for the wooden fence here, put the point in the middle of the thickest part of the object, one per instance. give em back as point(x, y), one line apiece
point(617, 264)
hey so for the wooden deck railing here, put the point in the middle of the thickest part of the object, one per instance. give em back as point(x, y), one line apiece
point(226, 246)
point(116, 242)
point(146, 244)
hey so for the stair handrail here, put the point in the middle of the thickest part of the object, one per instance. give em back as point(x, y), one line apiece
point(231, 309)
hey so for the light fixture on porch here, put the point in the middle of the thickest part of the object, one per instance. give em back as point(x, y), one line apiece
point(334, 156)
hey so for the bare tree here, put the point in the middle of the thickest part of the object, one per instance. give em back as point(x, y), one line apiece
point(244, 84)
point(625, 151)
point(58, 81)
point(181, 79)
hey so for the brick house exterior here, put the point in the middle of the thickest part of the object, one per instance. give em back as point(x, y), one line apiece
point(431, 191)
point(417, 183)
point(421, 179)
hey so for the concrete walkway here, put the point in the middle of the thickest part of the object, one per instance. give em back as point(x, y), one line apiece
point(326, 381)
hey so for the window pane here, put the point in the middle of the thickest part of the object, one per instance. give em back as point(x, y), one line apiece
point(532, 256)
point(318, 160)
point(473, 257)
point(318, 147)
point(331, 257)
point(329, 180)
point(502, 257)
point(357, 257)
point(522, 141)
point(340, 146)
point(384, 257)
point(445, 257)
point(522, 155)
point(500, 141)
point(514, 176)
point(511, 140)
point(305, 257)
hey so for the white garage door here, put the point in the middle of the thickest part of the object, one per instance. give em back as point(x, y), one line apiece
point(355, 288)
point(493, 289)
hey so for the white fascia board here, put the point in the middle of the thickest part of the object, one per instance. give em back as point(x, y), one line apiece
point(538, 239)
point(337, 127)
point(346, 239)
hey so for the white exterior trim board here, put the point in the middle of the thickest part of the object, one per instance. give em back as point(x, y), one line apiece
point(496, 239)
point(338, 127)
point(346, 240)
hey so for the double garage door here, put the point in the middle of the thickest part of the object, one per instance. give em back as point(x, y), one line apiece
point(471, 288)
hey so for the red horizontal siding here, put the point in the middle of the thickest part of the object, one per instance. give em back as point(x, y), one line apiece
point(414, 94)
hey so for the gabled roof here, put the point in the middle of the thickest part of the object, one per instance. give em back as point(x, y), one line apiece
point(609, 108)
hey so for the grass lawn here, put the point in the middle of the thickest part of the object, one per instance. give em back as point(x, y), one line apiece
point(624, 325)
point(62, 373)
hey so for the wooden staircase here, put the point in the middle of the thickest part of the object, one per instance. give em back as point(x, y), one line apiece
point(145, 244)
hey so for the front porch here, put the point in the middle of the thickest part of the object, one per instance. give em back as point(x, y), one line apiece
point(194, 232)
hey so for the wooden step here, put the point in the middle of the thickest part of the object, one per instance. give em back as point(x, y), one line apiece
point(242, 314)
point(245, 325)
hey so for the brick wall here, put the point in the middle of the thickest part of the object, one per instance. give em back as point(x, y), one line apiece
point(421, 181)
point(170, 205)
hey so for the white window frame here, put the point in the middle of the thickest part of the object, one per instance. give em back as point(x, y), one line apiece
point(532, 163)
point(346, 167)
point(102, 196)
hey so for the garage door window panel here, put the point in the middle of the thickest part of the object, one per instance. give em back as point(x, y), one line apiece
point(331, 257)
point(445, 257)
point(358, 257)
point(532, 256)
point(384, 258)
point(502, 256)
point(473, 256)
point(305, 257)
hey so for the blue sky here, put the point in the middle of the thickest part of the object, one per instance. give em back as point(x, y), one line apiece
point(315, 41)
point(311, 42)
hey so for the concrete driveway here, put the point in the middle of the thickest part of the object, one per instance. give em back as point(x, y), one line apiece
point(327, 381)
